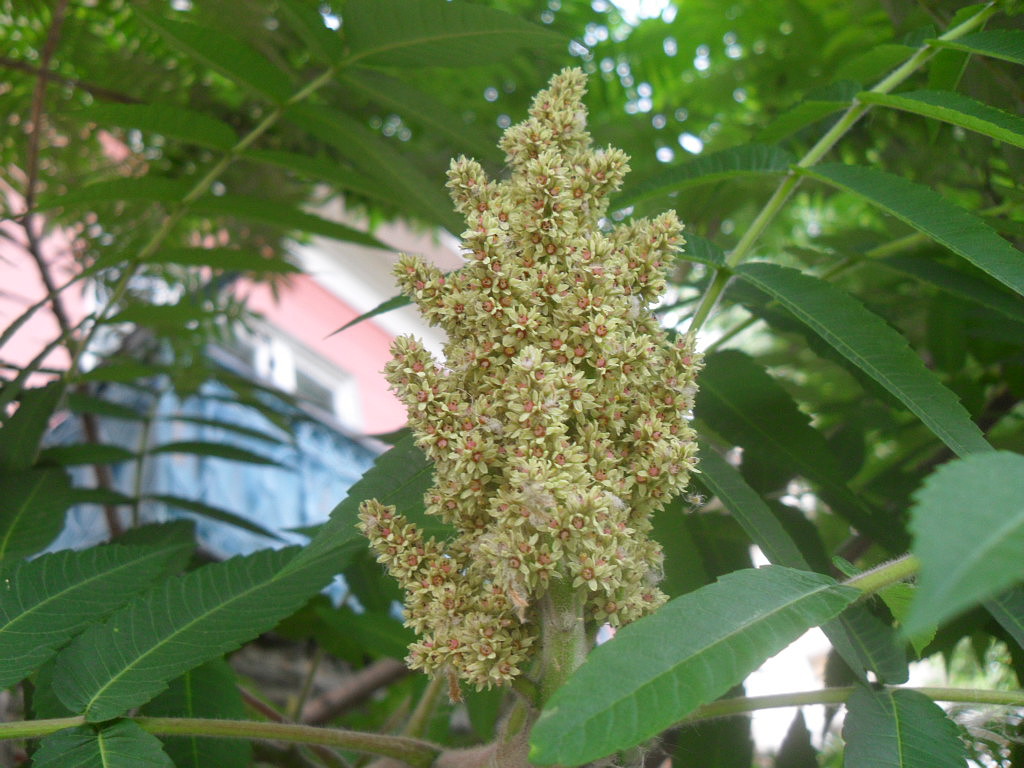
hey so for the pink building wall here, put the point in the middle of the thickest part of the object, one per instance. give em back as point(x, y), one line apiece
point(309, 313)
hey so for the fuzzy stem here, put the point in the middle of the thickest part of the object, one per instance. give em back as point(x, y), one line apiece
point(885, 574)
point(563, 635)
point(417, 753)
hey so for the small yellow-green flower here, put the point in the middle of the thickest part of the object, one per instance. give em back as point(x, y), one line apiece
point(559, 420)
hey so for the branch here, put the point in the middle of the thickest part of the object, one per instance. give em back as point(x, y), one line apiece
point(356, 688)
point(825, 144)
point(94, 90)
point(415, 752)
point(743, 704)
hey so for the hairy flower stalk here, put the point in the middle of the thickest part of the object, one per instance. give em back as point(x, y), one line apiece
point(559, 420)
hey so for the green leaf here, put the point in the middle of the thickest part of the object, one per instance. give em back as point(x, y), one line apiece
point(48, 600)
point(308, 23)
point(122, 744)
point(227, 55)
point(152, 188)
point(1008, 609)
point(702, 250)
point(285, 217)
point(748, 407)
point(31, 510)
point(955, 109)
point(227, 426)
point(927, 211)
point(745, 160)
point(1005, 44)
point(182, 623)
point(691, 651)
point(395, 302)
point(818, 104)
point(434, 33)
point(722, 743)
point(416, 105)
point(209, 691)
point(375, 158)
point(378, 634)
point(81, 402)
point(216, 450)
point(958, 283)
point(170, 120)
point(968, 526)
point(899, 729)
point(399, 477)
point(213, 513)
point(323, 169)
point(864, 642)
point(121, 371)
point(229, 259)
point(85, 453)
point(22, 432)
point(874, 347)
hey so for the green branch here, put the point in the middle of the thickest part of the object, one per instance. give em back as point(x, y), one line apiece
point(744, 704)
point(415, 752)
point(886, 574)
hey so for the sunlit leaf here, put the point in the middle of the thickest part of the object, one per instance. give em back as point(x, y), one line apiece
point(873, 346)
point(899, 729)
point(968, 526)
point(690, 652)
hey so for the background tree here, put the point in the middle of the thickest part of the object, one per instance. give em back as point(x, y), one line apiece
point(853, 266)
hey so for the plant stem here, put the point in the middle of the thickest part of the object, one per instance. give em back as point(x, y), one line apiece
point(778, 199)
point(563, 636)
point(420, 717)
point(743, 704)
point(886, 574)
point(415, 752)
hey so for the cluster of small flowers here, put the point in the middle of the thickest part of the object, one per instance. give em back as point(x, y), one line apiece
point(560, 420)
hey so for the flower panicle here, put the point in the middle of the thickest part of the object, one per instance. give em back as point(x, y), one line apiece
point(560, 418)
